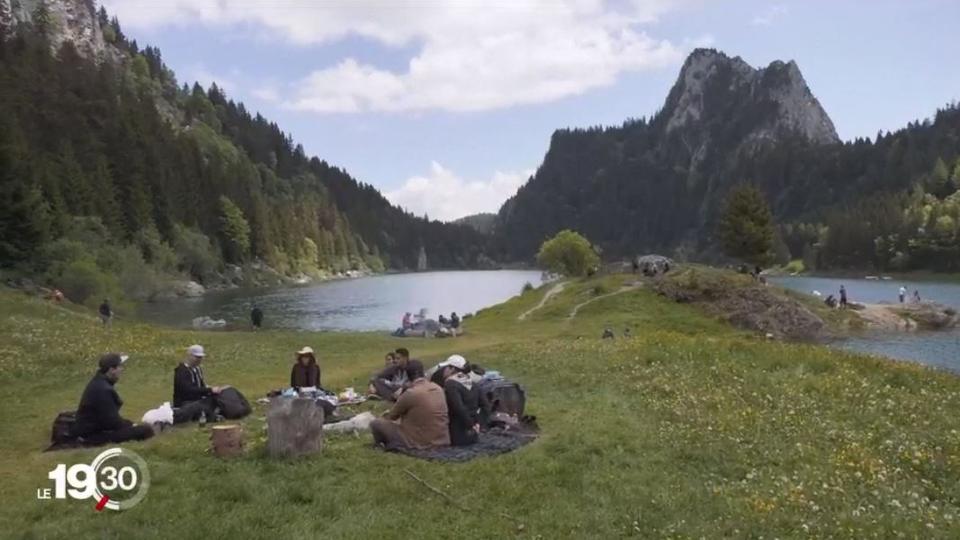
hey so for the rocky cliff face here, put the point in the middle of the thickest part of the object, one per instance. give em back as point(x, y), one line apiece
point(714, 92)
point(713, 87)
point(72, 21)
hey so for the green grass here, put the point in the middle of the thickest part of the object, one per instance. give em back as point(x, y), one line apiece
point(687, 429)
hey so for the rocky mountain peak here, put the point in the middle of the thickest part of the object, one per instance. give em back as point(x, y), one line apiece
point(714, 89)
point(75, 21)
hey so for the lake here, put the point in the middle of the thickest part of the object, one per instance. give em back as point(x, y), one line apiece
point(362, 304)
point(939, 349)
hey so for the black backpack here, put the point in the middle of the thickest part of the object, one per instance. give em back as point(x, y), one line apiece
point(505, 396)
point(232, 404)
point(62, 431)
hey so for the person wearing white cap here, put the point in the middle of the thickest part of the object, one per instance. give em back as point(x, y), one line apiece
point(305, 372)
point(464, 400)
point(98, 419)
point(192, 398)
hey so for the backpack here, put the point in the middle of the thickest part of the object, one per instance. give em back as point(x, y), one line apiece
point(505, 396)
point(62, 431)
point(232, 404)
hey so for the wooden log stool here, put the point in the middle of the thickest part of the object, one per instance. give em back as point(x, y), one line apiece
point(294, 427)
point(226, 440)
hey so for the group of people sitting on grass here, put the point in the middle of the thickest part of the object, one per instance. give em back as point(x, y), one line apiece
point(420, 325)
point(440, 407)
point(97, 419)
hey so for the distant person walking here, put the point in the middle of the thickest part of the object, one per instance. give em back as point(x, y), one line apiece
point(256, 317)
point(106, 312)
point(843, 296)
point(454, 323)
point(903, 294)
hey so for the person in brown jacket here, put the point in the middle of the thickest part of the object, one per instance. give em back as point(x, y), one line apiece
point(419, 418)
point(305, 372)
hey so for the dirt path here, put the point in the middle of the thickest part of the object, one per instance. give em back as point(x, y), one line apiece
point(621, 290)
point(556, 289)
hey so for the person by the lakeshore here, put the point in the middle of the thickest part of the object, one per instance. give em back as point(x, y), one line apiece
point(916, 296)
point(903, 294)
point(843, 296)
point(419, 419)
point(305, 372)
point(464, 400)
point(455, 323)
point(443, 321)
point(192, 398)
point(390, 382)
point(831, 301)
point(98, 419)
point(106, 312)
point(256, 317)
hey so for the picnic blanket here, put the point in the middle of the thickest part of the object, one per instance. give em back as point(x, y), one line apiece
point(491, 443)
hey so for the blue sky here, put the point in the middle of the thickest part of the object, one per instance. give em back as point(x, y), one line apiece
point(448, 106)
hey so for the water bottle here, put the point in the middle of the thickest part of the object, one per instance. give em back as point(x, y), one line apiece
point(203, 419)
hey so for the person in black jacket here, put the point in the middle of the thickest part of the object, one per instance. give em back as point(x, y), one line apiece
point(256, 317)
point(98, 419)
point(464, 400)
point(305, 372)
point(192, 398)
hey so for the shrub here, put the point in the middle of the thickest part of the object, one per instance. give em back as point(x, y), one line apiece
point(195, 253)
point(83, 282)
point(527, 287)
point(568, 253)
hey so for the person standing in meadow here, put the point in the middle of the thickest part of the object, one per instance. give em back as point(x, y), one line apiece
point(256, 317)
point(106, 312)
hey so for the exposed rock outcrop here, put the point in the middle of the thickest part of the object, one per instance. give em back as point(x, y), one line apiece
point(74, 21)
point(713, 87)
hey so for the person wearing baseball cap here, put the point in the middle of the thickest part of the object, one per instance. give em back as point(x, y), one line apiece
point(98, 419)
point(192, 398)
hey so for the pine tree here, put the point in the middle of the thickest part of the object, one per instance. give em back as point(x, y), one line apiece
point(746, 227)
point(234, 230)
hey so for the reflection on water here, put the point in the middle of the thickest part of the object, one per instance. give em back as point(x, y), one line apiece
point(939, 349)
point(372, 303)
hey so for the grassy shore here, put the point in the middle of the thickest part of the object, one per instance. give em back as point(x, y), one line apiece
point(686, 429)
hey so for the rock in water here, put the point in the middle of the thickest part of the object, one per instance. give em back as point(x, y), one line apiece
point(294, 427)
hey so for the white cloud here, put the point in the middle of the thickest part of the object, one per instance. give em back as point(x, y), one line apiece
point(443, 195)
point(267, 93)
point(769, 15)
point(472, 54)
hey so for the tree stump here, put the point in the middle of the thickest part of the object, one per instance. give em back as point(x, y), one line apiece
point(294, 427)
point(226, 440)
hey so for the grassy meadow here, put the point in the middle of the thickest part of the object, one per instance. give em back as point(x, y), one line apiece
point(687, 429)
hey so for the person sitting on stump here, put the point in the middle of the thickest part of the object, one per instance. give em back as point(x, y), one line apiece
point(391, 381)
point(192, 398)
point(98, 419)
point(418, 420)
point(306, 372)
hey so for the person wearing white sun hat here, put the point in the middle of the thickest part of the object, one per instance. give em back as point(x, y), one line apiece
point(305, 372)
